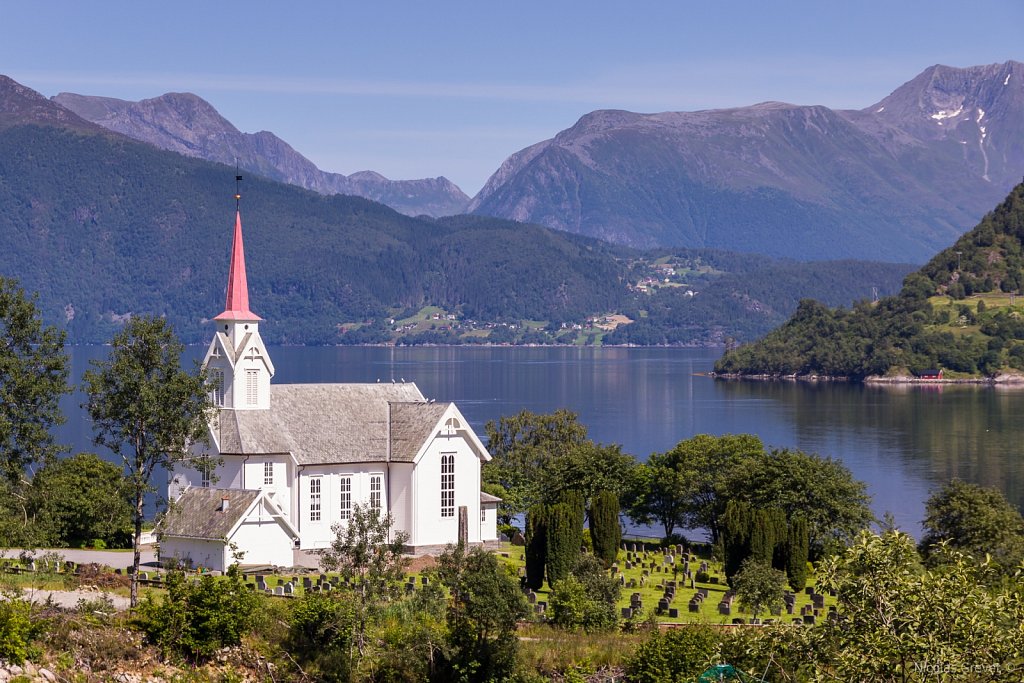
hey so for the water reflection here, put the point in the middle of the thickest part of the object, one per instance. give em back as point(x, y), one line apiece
point(901, 440)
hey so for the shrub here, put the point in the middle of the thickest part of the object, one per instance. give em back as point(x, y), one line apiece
point(320, 634)
point(198, 617)
point(677, 655)
point(17, 629)
point(586, 598)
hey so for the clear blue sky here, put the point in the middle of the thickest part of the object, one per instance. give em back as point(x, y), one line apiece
point(421, 89)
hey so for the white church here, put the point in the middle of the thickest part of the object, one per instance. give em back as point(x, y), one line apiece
point(294, 459)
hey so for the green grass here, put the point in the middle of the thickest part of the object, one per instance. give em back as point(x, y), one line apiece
point(650, 593)
point(549, 650)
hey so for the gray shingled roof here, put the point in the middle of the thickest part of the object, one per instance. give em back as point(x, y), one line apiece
point(196, 514)
point(411, 424)
point(325, 423)
point(488, 498)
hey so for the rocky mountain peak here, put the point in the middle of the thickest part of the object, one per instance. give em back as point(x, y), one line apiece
point(188, 124)
point(21, 105)
point(892, 181)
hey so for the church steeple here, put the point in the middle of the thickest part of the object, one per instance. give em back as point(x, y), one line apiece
point(236, 307)
point(237, 361)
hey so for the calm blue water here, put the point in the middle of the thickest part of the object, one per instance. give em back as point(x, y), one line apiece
point(903, 442)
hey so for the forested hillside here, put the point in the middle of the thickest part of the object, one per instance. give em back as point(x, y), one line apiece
point(960, 312)
point(103, 227)
point(740, 297)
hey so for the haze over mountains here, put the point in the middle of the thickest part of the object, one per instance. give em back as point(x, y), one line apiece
point(895, 181)
point(188, 124)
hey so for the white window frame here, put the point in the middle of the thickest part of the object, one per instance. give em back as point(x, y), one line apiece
point(315, 499)
point(377, 492)
point(447, 485)
point(205, 476)
point(345, 497)
point(217, 387)
point(268, 473)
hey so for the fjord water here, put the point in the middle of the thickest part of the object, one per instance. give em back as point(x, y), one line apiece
point(903, 441)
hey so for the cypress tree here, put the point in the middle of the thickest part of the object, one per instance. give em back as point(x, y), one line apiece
point(736, 532)
point(577, 501)
point(799, 550)
point(605, 531)
point(762, 537)
point(564, 539)
point(536, 550)
point(780, 530)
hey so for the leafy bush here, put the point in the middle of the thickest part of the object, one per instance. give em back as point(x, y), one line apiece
point(586, 598)
point(320, 634)
point(677, 655)
point(198, 617)
point(17, 629)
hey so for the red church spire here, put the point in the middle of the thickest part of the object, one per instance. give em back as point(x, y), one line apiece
point(237, 305)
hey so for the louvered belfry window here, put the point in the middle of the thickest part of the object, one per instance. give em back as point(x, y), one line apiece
point(252, 391)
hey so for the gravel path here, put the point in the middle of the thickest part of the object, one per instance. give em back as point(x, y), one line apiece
point(111, 558)
point(69, 599)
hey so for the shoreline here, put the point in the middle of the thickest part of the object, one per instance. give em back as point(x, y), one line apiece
point(902, 380)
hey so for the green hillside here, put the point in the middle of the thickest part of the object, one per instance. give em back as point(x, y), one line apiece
point(103, 227)
point(961, 312)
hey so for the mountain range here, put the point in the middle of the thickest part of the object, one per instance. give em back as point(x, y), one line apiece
point(895, 181)
point(102, 227)
point(189, 125)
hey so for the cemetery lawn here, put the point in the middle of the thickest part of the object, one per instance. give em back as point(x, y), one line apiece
point(653, 589)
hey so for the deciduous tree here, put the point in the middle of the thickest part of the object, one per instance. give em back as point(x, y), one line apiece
point(146, 409)
point(33, 377)
point(366, 552)
point(83, 499)
point(758, 586)
point(976, 520)
point(485, 608)
point(522, 447)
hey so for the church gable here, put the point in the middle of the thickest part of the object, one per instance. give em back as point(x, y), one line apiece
point(449, 424)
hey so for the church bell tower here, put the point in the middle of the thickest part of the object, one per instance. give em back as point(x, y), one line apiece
point(237, 364)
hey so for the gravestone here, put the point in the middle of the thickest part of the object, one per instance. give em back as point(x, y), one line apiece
point(627, 612)
point(673, 613)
